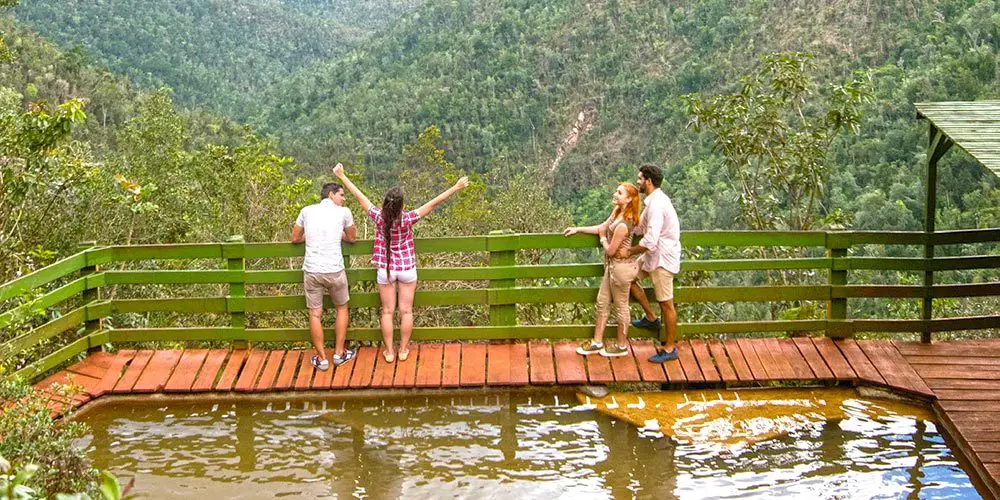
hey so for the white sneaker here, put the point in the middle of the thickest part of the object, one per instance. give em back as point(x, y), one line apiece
point(320, 364)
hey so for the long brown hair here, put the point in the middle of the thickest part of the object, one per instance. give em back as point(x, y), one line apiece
point(392, 210)
point(631, 211)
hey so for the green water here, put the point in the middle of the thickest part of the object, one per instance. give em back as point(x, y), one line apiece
point(513, 445)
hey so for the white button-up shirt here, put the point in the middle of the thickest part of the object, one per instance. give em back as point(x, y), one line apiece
point(661, 234)
point(324, 225)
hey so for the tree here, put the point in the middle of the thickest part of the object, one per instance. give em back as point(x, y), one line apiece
point(775, 135)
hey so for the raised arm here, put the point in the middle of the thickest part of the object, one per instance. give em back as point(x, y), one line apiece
point(338, 170)
point(598, 229)
point(426, 208)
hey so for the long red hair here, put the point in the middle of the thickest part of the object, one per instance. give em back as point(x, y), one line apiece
point(630, 213)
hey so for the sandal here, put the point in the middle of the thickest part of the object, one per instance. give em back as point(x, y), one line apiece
point(389, 356)
point(404, 354)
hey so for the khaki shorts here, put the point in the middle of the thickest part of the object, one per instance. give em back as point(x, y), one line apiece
point(316, 284)
point(663, 283)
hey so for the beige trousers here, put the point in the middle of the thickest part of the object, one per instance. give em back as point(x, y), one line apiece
point(618, 277)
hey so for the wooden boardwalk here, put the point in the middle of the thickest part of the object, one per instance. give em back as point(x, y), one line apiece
point(961, 379)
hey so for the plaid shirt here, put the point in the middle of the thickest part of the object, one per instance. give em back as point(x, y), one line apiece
point(404, 257)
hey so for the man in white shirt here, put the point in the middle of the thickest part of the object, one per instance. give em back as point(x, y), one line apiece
point(323, 227)
point(661, 260)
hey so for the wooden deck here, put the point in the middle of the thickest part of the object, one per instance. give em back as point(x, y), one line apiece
point(961, 379)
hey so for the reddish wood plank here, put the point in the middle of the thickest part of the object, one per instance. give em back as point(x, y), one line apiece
point(834, 359)
point(893, 367)
point(231, 371)
point(800, 367)
point(990, 458)
point(114, 372)
point(859, 362)
point(473, 365)
point(569, 367)
point(543, 368)
point(985, 446)
point(498, 360)
point(251, 371)
point(86, 385)
point(364, 367)
point(186, 371)
point(303, 381)
point(384, 372)
point(781, 367)
point(650, 372)
point(968, 395)
point(429, 361)
point(406, 372)
point(451, 365)
point(340, 376)
point(624, 367)
point(816, 364)
point(95, 365)
point(157, 371)
point(975, 416)
point(951, 383)
point(753, 361)
point(735, 355)
point(286, 377)
point(950, 406)
point(323, 379)
point(598, 369)
point(989, 349)
point(209, 370)
point(705, 363)
point(132, 373)
point(985, 363)
point(688, 362)
point(966, 372)
point(519, 364)
point(270, 371)
point(722, 361)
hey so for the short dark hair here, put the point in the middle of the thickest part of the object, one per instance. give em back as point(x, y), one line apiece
point(653, 173)
point(330, 188)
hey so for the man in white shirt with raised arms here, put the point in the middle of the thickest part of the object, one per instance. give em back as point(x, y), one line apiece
point(661, 260)
point(323, 227)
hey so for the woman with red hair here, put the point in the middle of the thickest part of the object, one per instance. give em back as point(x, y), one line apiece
point(620, 269)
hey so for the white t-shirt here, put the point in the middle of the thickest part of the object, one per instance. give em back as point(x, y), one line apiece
point(324, 225)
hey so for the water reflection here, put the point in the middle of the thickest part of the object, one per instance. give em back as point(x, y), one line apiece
point(514, 445)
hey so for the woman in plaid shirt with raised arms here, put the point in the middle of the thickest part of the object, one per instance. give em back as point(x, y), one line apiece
point(397, 267)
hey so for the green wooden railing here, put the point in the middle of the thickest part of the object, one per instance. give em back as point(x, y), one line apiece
point(84, 275)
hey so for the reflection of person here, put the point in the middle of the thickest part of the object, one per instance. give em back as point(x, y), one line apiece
point(620, 269)
point(322, 227)
point(661, 260)
point(394, 257)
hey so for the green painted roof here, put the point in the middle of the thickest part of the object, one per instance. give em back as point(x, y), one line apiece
point(972, 125)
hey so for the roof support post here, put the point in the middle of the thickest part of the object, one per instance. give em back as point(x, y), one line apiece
point(938, 145)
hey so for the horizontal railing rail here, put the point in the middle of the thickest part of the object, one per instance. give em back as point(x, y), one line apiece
point(494, 285)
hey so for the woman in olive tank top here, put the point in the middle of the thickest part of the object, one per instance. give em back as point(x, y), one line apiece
point(620, 270)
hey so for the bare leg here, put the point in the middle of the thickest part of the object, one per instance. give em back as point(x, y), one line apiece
point(340, 327)
point(669, 324)
point(406, 291)
point(316, 331)
point(640, 297)
point(388, 295)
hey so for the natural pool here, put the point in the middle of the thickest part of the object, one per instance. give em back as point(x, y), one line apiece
point(827, 443)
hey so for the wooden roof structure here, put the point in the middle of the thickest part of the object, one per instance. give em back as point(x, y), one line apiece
point(973, 126)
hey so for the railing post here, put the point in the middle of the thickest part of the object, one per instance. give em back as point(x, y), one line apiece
point(233, 251)
point(836, 308)
point(90, 295)
point(503, 252)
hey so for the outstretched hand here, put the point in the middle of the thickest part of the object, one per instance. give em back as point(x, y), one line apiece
point(338, 170)
point(569, 231)
point(462, 183)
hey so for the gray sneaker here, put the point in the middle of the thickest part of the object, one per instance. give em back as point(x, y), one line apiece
point(339, 359)
point(614, 351)
point(589, 348)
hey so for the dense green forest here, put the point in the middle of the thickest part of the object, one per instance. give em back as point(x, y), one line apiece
point(217, 54)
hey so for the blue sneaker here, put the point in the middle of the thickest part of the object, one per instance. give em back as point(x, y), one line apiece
point(339, 359)
point(647, 324)
point(663, 356)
